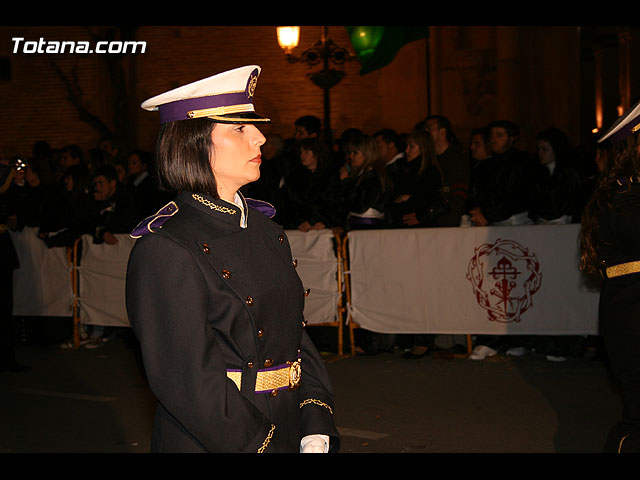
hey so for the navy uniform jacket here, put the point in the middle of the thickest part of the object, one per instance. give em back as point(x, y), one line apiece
point(206, 297)
point(619, 242)
point(619, 245)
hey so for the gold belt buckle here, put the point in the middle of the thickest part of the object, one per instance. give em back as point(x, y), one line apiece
point(295, 373)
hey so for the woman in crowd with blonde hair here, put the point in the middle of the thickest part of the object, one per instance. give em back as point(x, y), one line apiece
point(419, 198)
point(366, 186)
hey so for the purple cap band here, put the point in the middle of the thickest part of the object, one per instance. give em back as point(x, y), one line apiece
point(623, 132)
point(177, 110)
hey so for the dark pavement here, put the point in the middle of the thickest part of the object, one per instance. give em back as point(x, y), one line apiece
point(98, 401)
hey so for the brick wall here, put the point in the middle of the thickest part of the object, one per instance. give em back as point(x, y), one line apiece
point(35, 104)
point(463, 82)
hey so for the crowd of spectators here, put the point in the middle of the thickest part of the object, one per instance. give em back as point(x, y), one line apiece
point(423, 178)
point(65, 195)
point(384, 179)
point(62, 195)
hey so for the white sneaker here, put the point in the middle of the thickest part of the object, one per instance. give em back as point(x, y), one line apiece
point(481, 352)
point(69, 344)
point(556, 358)
point(517, 351)
point(95, 342)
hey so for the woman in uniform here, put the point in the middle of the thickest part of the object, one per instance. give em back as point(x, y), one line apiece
point(212, 292)
point(610, 242)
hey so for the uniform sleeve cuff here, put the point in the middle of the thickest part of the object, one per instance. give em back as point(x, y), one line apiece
point(314, 444)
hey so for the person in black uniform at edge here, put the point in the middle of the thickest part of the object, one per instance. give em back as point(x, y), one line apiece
point(610, 246)
point(212, 292)
point(8, 263)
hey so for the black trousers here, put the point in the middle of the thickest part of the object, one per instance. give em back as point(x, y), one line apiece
point(7, 356)
point(623, 351)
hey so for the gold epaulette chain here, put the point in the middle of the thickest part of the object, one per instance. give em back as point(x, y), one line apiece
point(213, 206)
point(316, 402)
point(267, 440)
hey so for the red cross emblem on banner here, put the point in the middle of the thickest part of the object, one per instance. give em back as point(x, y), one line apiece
point(504, 276)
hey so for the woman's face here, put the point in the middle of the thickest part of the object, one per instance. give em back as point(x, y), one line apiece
point(479, 149)
point(68, 183)
point(135, 165)
point(356, 158)
point(235, 158)
point(545, 152)
point(122, 173)
point(308, 159)
point(412, 151)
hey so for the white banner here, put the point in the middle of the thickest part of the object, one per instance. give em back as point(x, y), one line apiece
point(475, 280)
point(318, 269)
point(103, 273)
point(104, 267)
point(42, 284)
point(43, 281)
point(495, 280)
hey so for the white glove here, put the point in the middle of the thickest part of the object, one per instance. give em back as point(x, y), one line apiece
point(314, 444)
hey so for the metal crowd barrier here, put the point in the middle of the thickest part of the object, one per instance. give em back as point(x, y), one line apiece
point(479, 280)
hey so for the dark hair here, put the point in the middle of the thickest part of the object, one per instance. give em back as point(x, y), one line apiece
point(107, 171)
point(605, 149)
point(183, 157)
point(390, 136)
point(624, 162)
point(41, 149)
point(276, 140)
point(145, 157)
point(80, 176)
point(444, 122)
point(310, 123)
point(511, 128)
point(484, 132)
point(74, 150)
point(559, 142)
point(319, 149)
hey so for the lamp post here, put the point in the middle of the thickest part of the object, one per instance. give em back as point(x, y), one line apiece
point(324, 51)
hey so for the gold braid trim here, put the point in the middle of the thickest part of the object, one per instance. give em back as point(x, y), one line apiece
point(217, 111)
point(265, 444)
point(316, 402)
point(213, 206)
point(621, 442)
point(623, 269)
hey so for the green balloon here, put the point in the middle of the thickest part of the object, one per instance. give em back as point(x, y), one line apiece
point(365, 40)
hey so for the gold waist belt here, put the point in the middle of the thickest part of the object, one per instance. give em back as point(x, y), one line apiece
point(281, 377)
point(622, 269)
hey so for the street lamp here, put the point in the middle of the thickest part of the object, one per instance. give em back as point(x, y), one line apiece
point(288, 38)
point(324, 51)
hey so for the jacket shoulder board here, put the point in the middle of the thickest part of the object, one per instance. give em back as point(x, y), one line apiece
point(154, 222)
point(265, 208)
